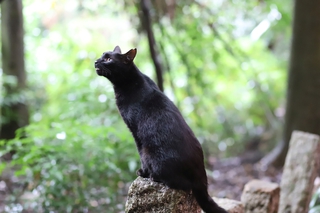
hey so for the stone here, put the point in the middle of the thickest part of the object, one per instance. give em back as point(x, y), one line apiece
point(299, 173)
point(260, 196)
point(232, 206)
point(152, 197)
point(146, 195)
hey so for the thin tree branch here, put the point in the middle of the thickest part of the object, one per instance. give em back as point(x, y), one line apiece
point(241, 56)
point(265, 104)
point(226, 125)
point(147, 25)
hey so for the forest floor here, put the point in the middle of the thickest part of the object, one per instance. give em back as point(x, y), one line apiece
point(226, 178)
point(230, 175)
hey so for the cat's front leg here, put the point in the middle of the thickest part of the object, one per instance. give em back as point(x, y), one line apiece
point(144, 171)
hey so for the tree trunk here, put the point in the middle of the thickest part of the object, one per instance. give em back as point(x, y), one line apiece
point(147, 25)
point(303, 91)
point(14, 115)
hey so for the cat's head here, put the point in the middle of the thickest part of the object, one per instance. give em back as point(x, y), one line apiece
point(114, 65)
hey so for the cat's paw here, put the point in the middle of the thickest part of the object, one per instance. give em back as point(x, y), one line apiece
point(143, 173)
point(156, 180)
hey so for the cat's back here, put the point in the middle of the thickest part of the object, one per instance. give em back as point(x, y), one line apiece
point(159, 115)
point(146, 110)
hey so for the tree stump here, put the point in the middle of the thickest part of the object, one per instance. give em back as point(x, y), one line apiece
point(261, 197)
point(300, 171)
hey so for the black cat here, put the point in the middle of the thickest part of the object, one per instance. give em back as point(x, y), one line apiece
point(169, 151)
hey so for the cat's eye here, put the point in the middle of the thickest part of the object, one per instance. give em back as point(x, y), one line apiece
point(108, 59)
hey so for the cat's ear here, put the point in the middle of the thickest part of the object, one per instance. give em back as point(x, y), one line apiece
point(130, 55)
point(117, 50)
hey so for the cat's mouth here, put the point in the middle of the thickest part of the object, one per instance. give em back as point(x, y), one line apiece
point(100, 70)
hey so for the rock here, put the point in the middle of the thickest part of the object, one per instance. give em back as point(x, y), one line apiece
point(299, 173)
point(148, 196)
point(232, 206)
point(260, 197)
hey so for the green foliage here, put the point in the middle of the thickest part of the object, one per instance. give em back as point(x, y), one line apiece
point(228, 84)
point(85, 167)
point(76, 152)
point(314, 206)
point(76, 155)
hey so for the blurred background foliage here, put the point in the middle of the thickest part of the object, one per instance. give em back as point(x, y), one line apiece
point(224, 66)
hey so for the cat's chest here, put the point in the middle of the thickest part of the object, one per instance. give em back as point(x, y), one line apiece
point(131, 113)
point(137, 108)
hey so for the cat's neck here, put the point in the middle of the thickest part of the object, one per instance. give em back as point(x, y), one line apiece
point(132, 80)
point(135, 84)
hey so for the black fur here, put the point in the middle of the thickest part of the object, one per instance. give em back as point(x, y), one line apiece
point(169, 151)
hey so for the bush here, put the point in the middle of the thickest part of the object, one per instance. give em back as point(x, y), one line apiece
point(73, 166)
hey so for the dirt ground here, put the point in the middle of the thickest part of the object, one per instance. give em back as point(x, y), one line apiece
point(230, 175)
